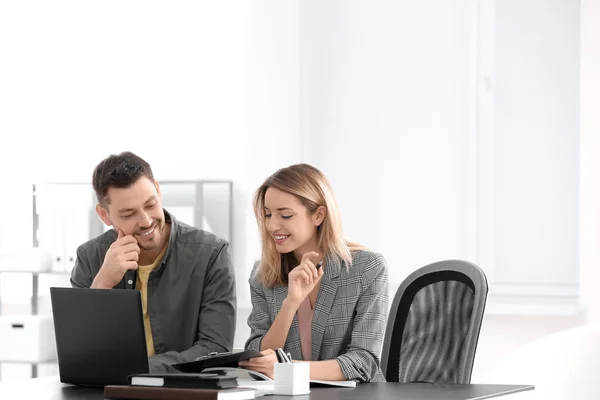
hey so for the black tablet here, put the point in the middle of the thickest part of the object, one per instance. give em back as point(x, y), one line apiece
point(224, 360)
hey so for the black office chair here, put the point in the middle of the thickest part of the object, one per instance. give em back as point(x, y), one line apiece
point(433, 324)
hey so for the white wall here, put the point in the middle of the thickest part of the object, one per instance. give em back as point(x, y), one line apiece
point(112, 76)
point(390, 100)
point(589, 206)
point(387, 100)
point(535, 150)
point(274, 116)
point(533, 39)
point(274, 94)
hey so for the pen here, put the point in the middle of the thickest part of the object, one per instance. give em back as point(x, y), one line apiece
point(285, 357)
point(282, 355)
point(278, 354)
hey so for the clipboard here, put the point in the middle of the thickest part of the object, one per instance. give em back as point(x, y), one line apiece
point(224, 360)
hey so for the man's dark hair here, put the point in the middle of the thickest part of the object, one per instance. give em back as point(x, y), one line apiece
point(120, 171)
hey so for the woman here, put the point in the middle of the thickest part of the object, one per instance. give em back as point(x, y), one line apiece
point(333, 316)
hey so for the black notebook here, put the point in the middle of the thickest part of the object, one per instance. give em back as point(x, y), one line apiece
point(184, 380)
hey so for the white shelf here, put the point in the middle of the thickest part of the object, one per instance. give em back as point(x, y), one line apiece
point(33, 259)
point(49, 272)
point(27, 362)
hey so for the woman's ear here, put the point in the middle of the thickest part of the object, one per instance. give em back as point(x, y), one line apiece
point(319, 215)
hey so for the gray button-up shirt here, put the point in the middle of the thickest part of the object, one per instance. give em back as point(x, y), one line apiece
point(191, 292)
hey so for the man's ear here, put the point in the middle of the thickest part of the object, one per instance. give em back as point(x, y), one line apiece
point(103, 214)
point(319, 215)
point(157, 186)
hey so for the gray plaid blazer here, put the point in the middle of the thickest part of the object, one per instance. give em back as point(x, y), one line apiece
point(349, 318)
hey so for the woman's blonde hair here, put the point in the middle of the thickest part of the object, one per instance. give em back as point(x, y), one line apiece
point(312, 188)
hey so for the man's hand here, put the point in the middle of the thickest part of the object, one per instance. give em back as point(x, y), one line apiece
point(122, 255)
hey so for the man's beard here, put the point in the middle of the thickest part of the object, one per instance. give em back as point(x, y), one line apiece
point(160, 226)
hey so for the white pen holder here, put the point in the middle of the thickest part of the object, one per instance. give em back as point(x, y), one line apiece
point(292, 378)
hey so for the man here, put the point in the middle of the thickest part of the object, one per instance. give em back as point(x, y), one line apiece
point(185, 275)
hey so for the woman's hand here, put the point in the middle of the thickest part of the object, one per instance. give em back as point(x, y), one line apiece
point(264, 364)
point(303, 279)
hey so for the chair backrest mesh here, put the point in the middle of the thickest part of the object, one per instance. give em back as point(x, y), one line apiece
point(435, 332)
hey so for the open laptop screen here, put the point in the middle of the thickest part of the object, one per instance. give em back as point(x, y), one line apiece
point(99, 335)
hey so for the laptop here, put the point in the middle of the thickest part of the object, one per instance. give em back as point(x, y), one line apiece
point(100, 336)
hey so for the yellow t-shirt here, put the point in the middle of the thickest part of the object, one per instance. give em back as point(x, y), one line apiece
point(141, 284)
